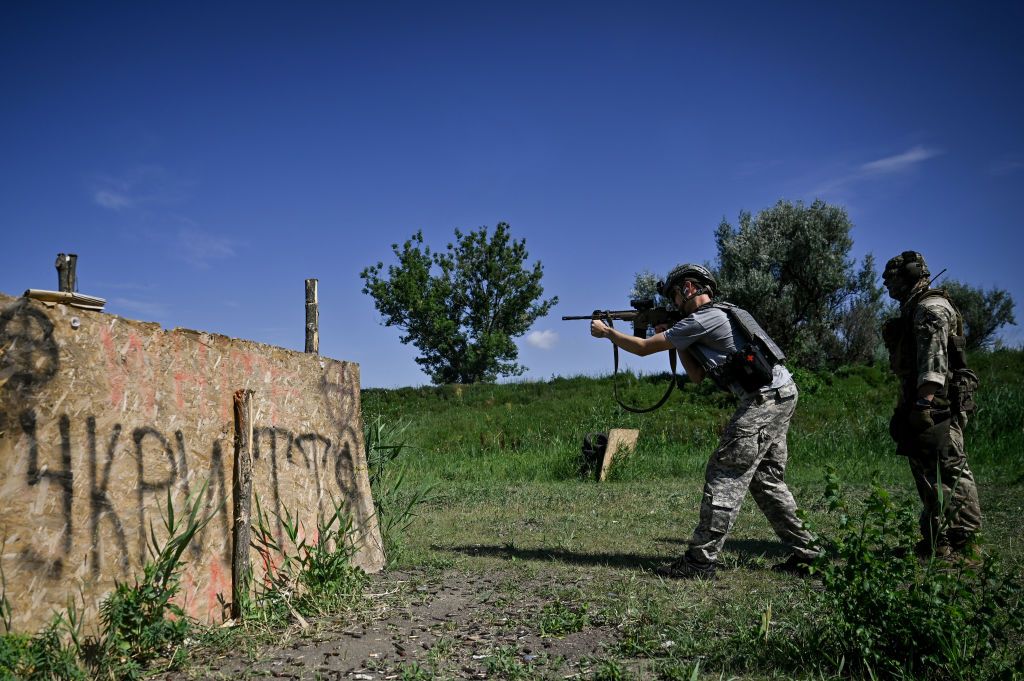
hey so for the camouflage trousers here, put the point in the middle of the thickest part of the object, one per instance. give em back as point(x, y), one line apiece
point(951, 513)
point(751, 455)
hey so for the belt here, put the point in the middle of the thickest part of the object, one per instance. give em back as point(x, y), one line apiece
point(765, 396)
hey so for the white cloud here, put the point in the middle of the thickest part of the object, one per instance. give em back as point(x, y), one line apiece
point(899, 162)
point(844, 179)
point(144, 185)
point(200, 248)
point(545, 340)
point(111, 199)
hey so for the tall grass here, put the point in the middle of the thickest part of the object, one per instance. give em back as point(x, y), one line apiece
point(532, 431)
point(395, 501)
point(303, 574)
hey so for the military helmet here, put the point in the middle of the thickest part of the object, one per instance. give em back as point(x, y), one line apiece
point(906, 268)
point(681, 273)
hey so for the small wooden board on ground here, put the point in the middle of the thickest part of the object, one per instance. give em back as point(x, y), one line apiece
point(621, 441)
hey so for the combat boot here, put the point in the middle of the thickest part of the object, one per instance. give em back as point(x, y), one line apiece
point(967, 554)
point(686, 568)
point(925, 550)
point(794, 565)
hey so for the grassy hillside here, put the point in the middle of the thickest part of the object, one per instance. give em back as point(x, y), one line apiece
point(501, 461)
point(532, 431)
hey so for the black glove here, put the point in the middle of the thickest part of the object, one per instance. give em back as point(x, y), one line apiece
point(920, 417)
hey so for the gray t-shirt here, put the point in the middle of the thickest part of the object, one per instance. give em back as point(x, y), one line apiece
point(709, 334)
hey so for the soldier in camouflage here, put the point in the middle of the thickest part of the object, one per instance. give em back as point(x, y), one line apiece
point(752, 451)
point(926, 352)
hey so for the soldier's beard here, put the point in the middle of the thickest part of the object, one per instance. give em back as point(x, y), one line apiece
point(901, 291)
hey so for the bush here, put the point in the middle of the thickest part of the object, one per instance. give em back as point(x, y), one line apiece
point(789, 266)
point(883, 613)
point(984, 312)
point(53, 653)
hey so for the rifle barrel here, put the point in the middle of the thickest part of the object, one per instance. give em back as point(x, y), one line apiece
point(602, 314)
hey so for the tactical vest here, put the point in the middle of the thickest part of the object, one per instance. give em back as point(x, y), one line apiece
point(957, 392)
point(756, 355)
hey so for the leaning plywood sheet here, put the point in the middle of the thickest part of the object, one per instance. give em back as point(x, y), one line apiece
point(102, 417)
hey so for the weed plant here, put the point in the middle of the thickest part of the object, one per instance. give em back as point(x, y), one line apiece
point(141, 621)
point(559, 619)
point(303, 576)
point(52, 654)
point(395, 504)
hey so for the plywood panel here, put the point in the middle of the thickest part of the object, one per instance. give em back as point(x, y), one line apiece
point(101, 417)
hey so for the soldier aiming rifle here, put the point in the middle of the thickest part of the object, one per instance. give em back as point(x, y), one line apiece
point(724, 343)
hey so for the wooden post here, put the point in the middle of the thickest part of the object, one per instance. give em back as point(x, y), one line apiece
point(66, 277)
point(312, 317)
point(241, 492)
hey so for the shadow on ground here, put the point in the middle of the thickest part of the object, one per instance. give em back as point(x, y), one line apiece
point(748, 553)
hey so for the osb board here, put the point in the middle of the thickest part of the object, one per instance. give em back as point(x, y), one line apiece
point(101, 417)
point(621, 441)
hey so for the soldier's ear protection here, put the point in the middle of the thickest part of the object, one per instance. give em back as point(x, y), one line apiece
point(907, 266)
point(913, 264)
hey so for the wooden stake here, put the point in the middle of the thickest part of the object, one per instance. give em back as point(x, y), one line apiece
point(312, 317)
point(241, 491)
point(67, 280)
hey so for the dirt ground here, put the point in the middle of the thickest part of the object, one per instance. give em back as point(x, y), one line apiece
point(420, 625)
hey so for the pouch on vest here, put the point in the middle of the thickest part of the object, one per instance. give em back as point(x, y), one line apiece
point(961, 391)
point(750, 368)
point(594, 445)
point(956, 348)
point(751, 365)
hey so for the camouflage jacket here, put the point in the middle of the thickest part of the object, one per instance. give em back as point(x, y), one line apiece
point(919, 343)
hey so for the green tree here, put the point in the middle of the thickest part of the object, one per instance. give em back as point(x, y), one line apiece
point(790, 266)
point(984, 312)
point(461, 308)
point(858, 326)
point(645, 287)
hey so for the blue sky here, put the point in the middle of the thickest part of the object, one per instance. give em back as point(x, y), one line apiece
point(203, 159)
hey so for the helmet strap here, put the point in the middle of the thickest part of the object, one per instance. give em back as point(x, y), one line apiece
point(697, 291)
